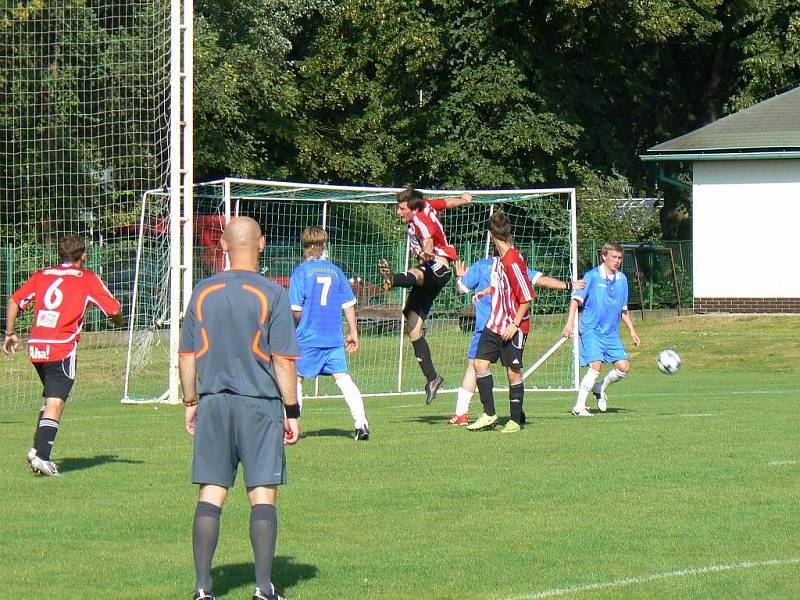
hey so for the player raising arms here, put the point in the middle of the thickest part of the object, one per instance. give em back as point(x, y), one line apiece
point(318, 292)
point(478, 277)
point(428, 241)
point(507, 328)
point(60, 296)
point(605, 301)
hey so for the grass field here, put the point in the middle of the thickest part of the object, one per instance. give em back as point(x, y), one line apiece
point(688, 487)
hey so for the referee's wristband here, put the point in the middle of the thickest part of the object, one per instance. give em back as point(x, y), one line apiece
point(292, 411)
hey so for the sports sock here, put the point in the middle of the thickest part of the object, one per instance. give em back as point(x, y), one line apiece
point(38, 424)
point(354, 400)
point(587, 383)
point(263, 535)
point(613, 376)
point(485, 386)
point(45, 437)
point(516, 395)
point(462, 401)
point(300, 395)
point(205, 534)
point(423, 353)
point(405, 280)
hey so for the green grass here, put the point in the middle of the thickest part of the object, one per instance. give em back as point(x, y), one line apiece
point(687, 488)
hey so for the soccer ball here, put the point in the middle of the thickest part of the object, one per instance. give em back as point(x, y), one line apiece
point(668, 361)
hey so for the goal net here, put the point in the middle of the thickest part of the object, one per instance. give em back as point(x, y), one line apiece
point(363, 227)
point(84, 131)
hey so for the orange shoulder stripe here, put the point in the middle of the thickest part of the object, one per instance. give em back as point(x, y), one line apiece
point(262, 297)
point(202, 296)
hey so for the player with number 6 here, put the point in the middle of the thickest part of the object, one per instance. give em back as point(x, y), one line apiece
point(60, 295)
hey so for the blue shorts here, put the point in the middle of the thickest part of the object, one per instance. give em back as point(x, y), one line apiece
point(321, 361)
point(473, 346)
point(604, 348)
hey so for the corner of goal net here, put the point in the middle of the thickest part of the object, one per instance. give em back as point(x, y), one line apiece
point(162, 399)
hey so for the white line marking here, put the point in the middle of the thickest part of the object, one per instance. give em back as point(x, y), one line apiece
point(774, 463)
point(697, 415)
point(648, 578)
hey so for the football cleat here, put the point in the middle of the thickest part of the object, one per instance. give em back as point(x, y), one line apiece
point(523, 419)
point(432, 388)
point(484, 422)
point(386, 274)
point(581, 412)
point(458, 419)
point(31, 455)
point(602, 399)
point(511, 427)
point(362, 434)
point(275, 595)
point(45, 467)
point(202, 594)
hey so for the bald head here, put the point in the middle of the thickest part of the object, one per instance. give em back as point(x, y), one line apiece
point(243, 242)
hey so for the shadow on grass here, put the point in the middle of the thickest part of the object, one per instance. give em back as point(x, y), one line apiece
point(76, 464)
point(285, 574)
point(327, 433)
point(429, 419)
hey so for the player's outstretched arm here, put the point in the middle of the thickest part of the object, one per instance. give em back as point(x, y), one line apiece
point(464, 198)
point(11, 341)
point(556, 284)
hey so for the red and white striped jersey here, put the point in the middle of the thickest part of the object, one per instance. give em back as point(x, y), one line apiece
point(60, 296)
point(510, 288)
point(426, 224)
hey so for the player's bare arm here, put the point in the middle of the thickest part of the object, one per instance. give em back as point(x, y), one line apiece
point(552, 283)
point(480, 294)
point(512, 328)
point(460, 267)
point(626, 318)
point(187, 371)
point(570, 325)
point(351, 342)
point(464, 198)
point(10, 339)
point(286, 374)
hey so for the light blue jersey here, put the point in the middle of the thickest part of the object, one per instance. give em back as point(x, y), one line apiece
point(478, 277)
point(604, 299)
point(320, 290)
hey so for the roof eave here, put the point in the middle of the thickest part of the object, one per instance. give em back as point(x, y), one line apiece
point(738, 155)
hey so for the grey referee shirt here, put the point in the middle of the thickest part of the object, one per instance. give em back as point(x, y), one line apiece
point(235, 323)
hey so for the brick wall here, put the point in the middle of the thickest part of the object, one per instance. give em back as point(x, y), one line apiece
point(747, 305)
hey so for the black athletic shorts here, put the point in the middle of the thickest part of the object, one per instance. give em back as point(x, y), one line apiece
point(491, 347)
point(57, 377)
point(435, 276)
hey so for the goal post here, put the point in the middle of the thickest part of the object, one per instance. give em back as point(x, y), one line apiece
point(363, 227)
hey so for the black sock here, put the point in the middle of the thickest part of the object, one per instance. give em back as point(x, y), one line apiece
point(405, 280)
point(45, 437)
point(263, 534)
point(423, 353)
point(205, 534)
point(485, 385)
point(516, 394)
point(38, 422)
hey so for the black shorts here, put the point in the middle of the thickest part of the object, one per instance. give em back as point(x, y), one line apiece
point(435, 276)
point(57, 377)
point(491, 347)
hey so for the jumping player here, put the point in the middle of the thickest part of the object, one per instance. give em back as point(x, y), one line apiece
point(427, 239)
point(60, 296)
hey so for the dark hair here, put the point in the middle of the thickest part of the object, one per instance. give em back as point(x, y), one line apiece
point(500, 227)
point(412, 197)
point(71, 248)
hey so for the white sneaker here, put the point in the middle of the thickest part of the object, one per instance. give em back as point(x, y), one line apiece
point(45, 467)
point(602, 404)
point(581, 412)
point(31, 455)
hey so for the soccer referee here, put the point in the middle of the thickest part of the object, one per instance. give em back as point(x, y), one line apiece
point(237, 369)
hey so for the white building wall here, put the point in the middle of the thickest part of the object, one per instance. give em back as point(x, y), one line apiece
point(746, 221)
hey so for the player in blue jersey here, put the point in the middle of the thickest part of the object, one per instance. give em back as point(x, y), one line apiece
point(605, 302)
point(478, 277)
point(318, 293)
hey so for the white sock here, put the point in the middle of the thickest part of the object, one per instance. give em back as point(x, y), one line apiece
point(462, 401)
point(613, 376)
point(587, 383)
point(300, 395)
point(355, 402)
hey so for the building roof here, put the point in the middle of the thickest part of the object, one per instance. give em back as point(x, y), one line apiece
point(769, 129)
